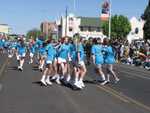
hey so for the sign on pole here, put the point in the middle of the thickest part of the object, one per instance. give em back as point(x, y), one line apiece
point(105, 11)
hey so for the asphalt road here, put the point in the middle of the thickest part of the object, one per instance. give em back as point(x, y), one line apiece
point(22, 93)
point(3, 63)
point(3, 58)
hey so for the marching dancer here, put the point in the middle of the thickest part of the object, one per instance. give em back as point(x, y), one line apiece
point(21, 53)
point(98, 58)
point(41, 52)
point(32, 47)
point(78, 63)
point(48, 72)
point(109, 60)
point(63, 56)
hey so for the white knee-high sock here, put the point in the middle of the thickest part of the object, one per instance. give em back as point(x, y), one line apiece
point(103, 77)
point(108, 77)
point(43, 77)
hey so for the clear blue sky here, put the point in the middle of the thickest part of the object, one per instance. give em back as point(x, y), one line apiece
point(23, 15)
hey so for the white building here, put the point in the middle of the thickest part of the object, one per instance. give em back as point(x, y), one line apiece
point(136, 29)
point(87, 27)
point(4, 28)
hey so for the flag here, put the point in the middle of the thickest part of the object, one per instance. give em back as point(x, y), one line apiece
point(105, 11)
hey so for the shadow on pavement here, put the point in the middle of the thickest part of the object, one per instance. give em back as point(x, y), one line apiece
point(38, 83)
point(91, 82)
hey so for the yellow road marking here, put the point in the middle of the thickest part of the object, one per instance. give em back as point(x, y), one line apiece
point(123, 97)
point(132, 100)
point(143, 77)
point(120, 97)
point(114, 94)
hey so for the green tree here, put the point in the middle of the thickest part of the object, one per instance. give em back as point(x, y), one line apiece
point(120, 27)
point(146, 17)
point(34, 33)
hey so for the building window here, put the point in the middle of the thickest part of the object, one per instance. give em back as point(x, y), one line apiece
point(71, 19)
point(70, 29)
point(89, 29)
point(81, 28)
point(84, 28)
point(98, 29)
point(71, 22)
point(136, 30)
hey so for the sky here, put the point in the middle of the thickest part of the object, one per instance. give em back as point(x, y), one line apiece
point(24, 15)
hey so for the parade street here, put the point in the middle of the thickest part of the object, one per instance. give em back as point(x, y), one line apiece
point(21, 92)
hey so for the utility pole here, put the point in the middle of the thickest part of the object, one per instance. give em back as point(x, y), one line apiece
point(110, 19)
point(66, 21)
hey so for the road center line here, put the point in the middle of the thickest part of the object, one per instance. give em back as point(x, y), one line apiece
point(122, 97)
point(114, 94)
point(143, 77)
point(133, 101)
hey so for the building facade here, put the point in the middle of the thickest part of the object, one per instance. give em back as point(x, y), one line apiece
point(87, 27)
point(49, 28)
point(136, 29)
point(4, 28)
